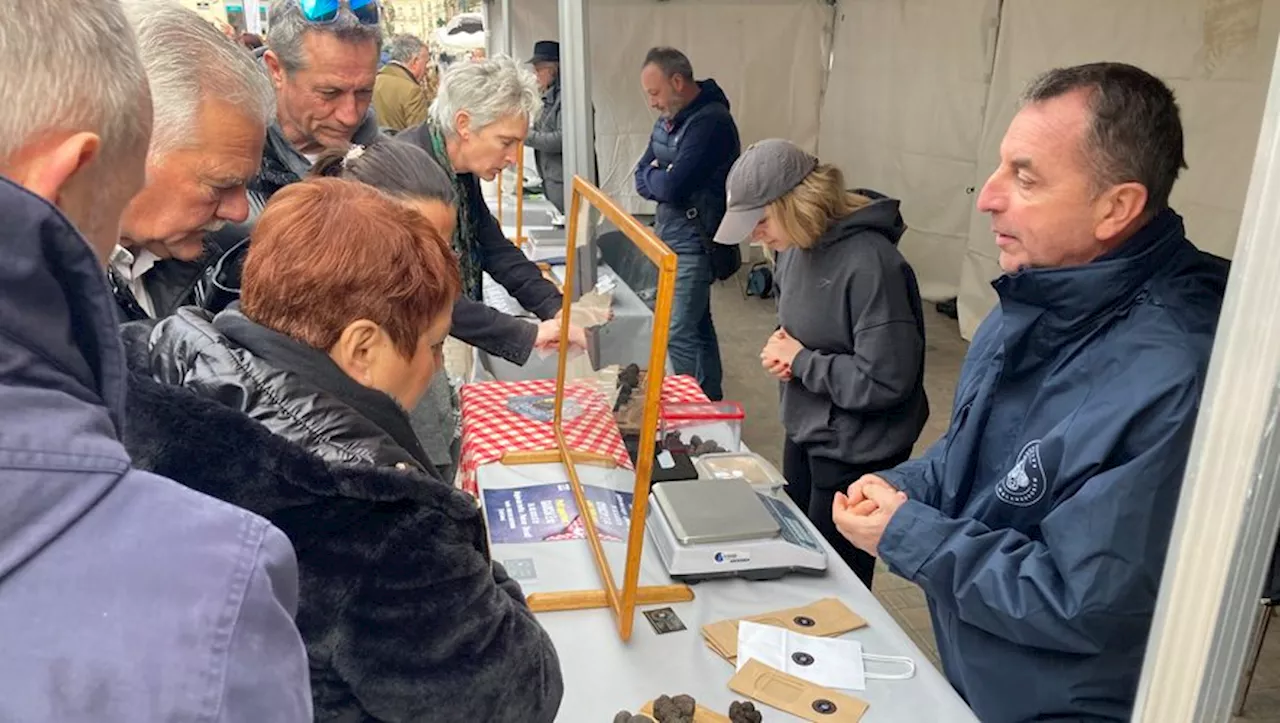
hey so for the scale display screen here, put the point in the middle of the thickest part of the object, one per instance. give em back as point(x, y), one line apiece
point(793, 530)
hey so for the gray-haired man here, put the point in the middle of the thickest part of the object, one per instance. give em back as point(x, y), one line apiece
point(212, 103)
point(123, 596)
point(324, 71)
point(323, 68)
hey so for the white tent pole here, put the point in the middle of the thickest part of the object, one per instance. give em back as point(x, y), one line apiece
point(579, 123)
point(1229, 510)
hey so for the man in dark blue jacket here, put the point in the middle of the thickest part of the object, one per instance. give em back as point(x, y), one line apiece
point(693, 145)
point(1038, 524)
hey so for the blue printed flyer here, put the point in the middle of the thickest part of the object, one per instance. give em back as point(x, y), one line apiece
point(548, 513)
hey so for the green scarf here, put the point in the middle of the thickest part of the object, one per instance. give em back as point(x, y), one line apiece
point(464, 235)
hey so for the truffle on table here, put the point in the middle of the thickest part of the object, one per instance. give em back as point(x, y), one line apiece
point(674, 710)
point(744, 711)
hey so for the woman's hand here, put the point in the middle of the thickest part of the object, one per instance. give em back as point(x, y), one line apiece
point(779, 354)
point(548, 338)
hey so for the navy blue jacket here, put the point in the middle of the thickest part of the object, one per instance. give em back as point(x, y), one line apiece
point(1038, 524)
point(123, 596)
point(694, 152)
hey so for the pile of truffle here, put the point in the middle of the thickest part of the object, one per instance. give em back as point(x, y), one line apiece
point(680, 709)
point(696, 445)
point(628, 380)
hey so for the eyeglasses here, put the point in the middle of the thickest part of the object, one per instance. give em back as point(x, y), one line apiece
point(326, 11)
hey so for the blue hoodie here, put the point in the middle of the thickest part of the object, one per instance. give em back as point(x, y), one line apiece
point(694, 151)
point(1038, 524)
point(123, 596)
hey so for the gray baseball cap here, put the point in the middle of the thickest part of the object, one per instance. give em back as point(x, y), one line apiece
point(765, 172)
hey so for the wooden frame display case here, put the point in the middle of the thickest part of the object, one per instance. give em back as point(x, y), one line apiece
point(621, 600)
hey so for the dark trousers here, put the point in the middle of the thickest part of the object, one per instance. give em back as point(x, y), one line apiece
point(812, 483)
point(693, 347)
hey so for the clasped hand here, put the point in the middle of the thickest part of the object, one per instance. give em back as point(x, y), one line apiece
point(779, 353)
point(862, 514)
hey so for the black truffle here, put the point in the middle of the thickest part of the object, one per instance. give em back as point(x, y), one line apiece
point(744, 711)
point(626, 716)
point(685, 704)
point(669, 710)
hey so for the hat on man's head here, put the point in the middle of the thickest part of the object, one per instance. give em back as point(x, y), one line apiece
point(765, 172)
point(545, 51)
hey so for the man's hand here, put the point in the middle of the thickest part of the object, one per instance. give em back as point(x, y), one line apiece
point(549, 336)
point(857, 491)
point(863, 514)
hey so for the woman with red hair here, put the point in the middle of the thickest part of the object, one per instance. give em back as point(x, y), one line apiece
point(293, 406)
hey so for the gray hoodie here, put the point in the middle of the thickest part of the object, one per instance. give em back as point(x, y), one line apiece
point(857, 392)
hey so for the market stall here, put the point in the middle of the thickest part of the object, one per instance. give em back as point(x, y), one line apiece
point(642, 572)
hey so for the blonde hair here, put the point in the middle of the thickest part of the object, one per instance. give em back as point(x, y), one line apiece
point(809, 209)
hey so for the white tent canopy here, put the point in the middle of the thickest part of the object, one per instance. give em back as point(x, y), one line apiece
point(911, 97)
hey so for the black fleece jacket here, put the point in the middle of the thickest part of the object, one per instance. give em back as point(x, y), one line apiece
point(404, 614)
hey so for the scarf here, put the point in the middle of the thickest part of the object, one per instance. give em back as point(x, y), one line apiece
point(464, 234)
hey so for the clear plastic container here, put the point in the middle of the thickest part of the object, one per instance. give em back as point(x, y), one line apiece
point(747, 466)
point(702, 427)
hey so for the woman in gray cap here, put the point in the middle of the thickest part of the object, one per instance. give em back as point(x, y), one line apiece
point(849, 349)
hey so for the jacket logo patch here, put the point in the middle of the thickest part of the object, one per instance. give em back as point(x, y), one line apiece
point(1025, 484)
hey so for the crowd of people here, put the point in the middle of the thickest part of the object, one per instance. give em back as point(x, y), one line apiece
point(227, 441)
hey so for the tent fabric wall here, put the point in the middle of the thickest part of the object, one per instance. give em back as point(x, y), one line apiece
point(1215, 54)
point(903, 114)
point(919, 94)
point(769, 56)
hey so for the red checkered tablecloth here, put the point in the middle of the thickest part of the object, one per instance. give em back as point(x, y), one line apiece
point(490, 428)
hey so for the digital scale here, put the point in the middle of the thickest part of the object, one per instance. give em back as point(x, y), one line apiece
point(712, 528)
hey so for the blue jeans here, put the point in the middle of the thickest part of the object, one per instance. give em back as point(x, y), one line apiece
point(693, 347)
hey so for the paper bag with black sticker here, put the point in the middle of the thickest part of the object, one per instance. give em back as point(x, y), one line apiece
point(825, 618)
point(795, 696)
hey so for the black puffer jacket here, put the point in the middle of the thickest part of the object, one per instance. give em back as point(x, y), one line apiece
point(405, 616)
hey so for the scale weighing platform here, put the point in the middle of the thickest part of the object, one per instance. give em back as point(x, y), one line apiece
point(712, 528)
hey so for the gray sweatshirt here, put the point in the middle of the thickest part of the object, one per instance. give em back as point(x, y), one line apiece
point(857, 390)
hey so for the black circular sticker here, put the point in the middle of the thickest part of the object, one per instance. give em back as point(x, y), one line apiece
point(802, 658)
point(804, 622)
point(824, 706)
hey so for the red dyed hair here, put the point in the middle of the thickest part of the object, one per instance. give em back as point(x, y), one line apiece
point(327, 252)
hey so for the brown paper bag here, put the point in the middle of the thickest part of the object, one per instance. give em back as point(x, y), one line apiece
point(795, 696)
point(825, 618)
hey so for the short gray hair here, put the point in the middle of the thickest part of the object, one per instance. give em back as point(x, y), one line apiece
point(672, 62)
point(405, 48)
point(188, 61)
point(287, 27)
point(488, 90)
point(70, 65)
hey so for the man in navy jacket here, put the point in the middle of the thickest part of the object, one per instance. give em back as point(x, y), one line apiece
point(1038, 524)
point(693, 145)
